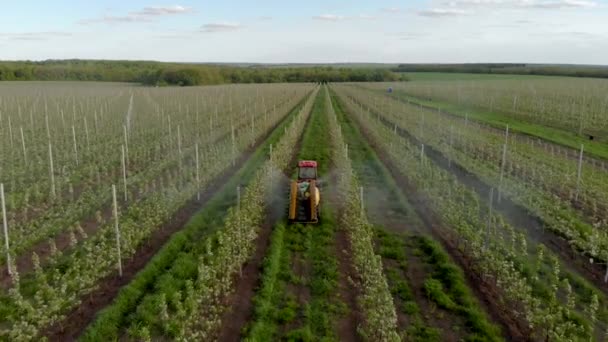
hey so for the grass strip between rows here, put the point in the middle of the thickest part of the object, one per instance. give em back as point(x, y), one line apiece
point(277, 312)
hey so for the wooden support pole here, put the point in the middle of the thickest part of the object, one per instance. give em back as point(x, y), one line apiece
point(362, 204)
point(502, 171)
point(23, 145)
point(5, 226)
point(119, 258)
point(579, 172)
point(124, 170)
point(490, 209)
point(75, 146)
point(52, 171)
point(198, 177)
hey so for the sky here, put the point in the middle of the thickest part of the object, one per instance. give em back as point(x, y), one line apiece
point(312, 31)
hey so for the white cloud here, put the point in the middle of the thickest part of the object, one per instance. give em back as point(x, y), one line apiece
point(391, 10)
point(410, 35)
point(461, 7)
point(157, 10)
point(147, 14)
point(365, 16)
point(442, 12)
point(558, 4)
point(109, 19)
point(521, 4)
point(45, 35)
point(335, 17)
point(328, 17)
point(221, 27)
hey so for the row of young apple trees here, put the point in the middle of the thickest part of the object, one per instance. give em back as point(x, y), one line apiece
point(531, 175)
point(547, 165)
point(68, 179)
point(196, 312)
point(41, 299)
point(376, 301)
point(579, 105)
point(529, 281)
point(91, 209)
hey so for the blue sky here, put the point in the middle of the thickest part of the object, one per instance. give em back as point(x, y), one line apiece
point(541, 31)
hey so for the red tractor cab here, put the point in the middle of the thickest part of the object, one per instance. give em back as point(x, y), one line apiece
point(304, 196)
point(307, 170)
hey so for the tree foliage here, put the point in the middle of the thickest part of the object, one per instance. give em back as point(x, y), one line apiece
point(157, 73)
point(509, 68)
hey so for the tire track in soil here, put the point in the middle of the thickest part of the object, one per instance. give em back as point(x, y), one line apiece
point(403, 320)
point(240, 302)
point(302, 269)
point(417, 273)
point(342, 250)
point(517, 215)
point(347, 276)
point(77, 319)
point(487, 293)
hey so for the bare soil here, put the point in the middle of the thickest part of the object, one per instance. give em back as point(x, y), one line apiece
point(240, 301)
point(403, 320)
point(347, 324)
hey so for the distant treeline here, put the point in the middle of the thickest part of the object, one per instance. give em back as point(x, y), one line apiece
point(519, 69)
point(157, 73)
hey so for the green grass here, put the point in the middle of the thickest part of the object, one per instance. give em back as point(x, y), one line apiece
point(276, 308)
point(392, 246)
point(449, 290)
point(324, 305)
point(316, 139)
point(558, 136)
point(453, 76)
point(175, 263)
point(266, 300)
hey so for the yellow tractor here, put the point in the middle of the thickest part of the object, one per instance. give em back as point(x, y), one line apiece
point(304, 196)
